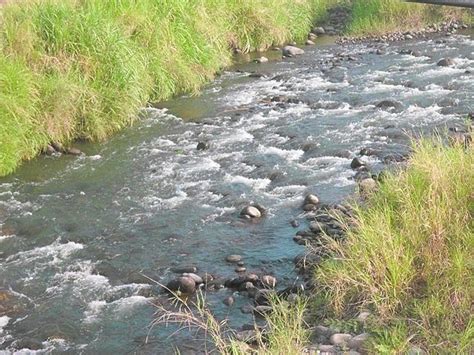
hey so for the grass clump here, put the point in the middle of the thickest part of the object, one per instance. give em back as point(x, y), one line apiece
point(378, 16)
point(285, 332)
point(82, 69)
point(409, 258)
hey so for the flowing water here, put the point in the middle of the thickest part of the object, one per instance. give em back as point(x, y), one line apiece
point(79, 234)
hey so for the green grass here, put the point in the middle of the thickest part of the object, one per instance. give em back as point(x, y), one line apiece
point(75, 69)
point(409, 258)
point(378, 16)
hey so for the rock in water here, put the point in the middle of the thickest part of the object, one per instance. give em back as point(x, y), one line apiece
point(311, 199)
point(202, 146)
point(251, 212)
point(73, 151)
point(261, 60)
point(183, 284)
point(319, 30)
point(446, 62)
point(291, 51)
point(356, 163)
point(233, 258)
point(269, 281)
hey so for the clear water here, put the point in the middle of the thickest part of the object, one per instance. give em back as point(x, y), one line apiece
point(78, 234)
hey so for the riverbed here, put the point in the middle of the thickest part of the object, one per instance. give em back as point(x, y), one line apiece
point(82, 236)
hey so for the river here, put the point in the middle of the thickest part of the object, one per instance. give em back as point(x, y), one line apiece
point(80, 235)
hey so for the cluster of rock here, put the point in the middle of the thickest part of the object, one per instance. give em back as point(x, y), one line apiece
point(445, 27)
point(56, 148)
point(336, 21)
point(330, 340)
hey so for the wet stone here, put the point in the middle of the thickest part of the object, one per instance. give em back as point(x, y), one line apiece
point(251, 212)
point(229, 301)
point(233, 258)
point(356, 163)
point(445, 62)
point(183, 284)
point(240, 269)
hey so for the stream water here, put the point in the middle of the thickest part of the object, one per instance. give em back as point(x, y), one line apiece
point(79, 233)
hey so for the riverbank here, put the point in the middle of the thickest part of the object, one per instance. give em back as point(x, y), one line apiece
point(65, 76)
point(82, 70)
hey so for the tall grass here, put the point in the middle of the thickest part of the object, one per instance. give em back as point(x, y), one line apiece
point(409, 259)
point(75, 69)
point(285, 334)
point(377, 16)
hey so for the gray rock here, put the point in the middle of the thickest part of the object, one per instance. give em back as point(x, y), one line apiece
point(269, 281)
point(312, 36)
point(73, 151)
point(49, 150)
point(356, 163)
point(446, 62)
point(233, 258)
point(291, 51)
point(202, 146)
point(229, 301)
point(261, 60)
point(183, 284)
point(358, 342)
point(311, 199)
point(197, 279)
point(184, 269)
point(294, 223)
point(309, 42)
point(340, 339)
point(251, 212)
point(387, 104)
point(262, 310)
point(319, 30)
point(309, 207)
point(327, 349)
point(58, 147)
point(240, 269)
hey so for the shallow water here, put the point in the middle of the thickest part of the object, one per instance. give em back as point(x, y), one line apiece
point(79, 234)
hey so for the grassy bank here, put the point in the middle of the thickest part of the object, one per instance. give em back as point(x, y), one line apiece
point(74, 69)
point(409, 259)
point(378, 16)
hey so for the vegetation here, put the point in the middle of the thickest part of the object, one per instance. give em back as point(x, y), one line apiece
point(409, 258)
point(74, 69)
point(286, 332)
point(378, 16)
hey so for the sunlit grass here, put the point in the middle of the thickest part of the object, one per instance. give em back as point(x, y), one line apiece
point(378, 16)
point(409, 259)
point(82, 69)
